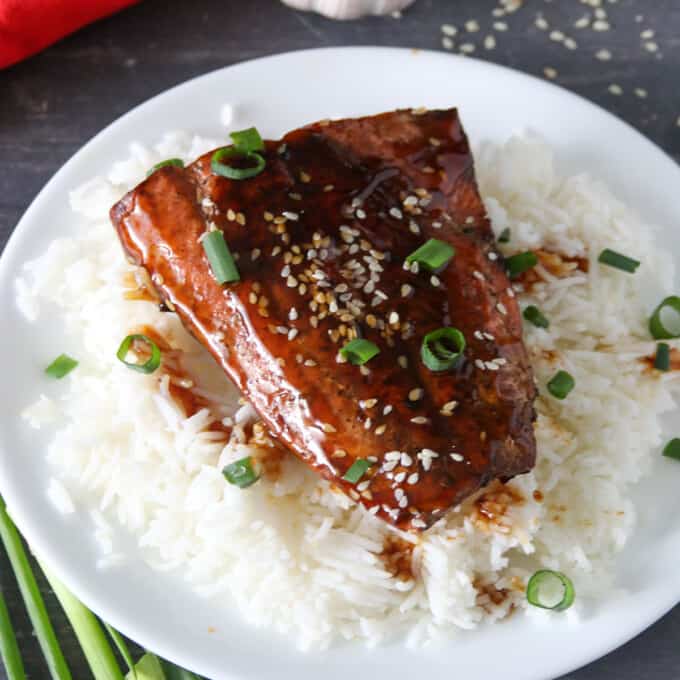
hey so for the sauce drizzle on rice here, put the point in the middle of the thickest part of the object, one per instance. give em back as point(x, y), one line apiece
point(397, 556)
point(556, 264)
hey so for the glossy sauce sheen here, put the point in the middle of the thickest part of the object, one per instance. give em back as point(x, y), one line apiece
point(324, 230)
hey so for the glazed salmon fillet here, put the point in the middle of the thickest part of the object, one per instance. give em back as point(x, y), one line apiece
point(321, 238)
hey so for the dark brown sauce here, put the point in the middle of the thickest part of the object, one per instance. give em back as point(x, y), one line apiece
point(675, 361)
point(489, 594)
point(138, 286)
point(538, 496)
point(557, 264)
point(491, 507)
point(397, 556)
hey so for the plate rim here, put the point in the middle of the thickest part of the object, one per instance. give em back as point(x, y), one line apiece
point(21, 513)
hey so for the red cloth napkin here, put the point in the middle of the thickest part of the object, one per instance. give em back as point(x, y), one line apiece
point(28, 26)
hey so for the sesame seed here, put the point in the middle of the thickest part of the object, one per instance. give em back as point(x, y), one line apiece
point(290, 215)
point(651, 47)
point(361, 214)
point(420, 420)
point(489, 42)
point(393, 318)
point(448, 29)
point(304, 177)
point(380, 429)
point(292, 314)
point(500, 26)
point(406, 290)
point(402, 360)
point(353, 495)
point(479, 364)
point(414, 229)
point(403, 502)
point(489, 336)
point(457, 457)
point(416, 394)
point(550, 72)
point(467, 48)
point(541, 23)
point(556, 36)
point(362, 486)
point(291, 281)
point(393, 455)
point(434, 280)
point(241, 218)
point(387, 410)
point(231, 215)
point(339, 453)
point(570, 44)
point(400, 477)
point(396, 213)
point(600, 25)
point(640, 92)
point(583, 22)
point(501, 308)
point(472, 26)
point(406, 460)
point(491, 366)
point(368, 424)
point(647, 34)
point(292, 333)
point(492, 256)
point(418, 523)
point(615, 89)
point(603, 55)
point(410, 201)
point(413, 478)
point(310, 362)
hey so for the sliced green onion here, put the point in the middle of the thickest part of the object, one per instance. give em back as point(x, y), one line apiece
point(173, 672)
point(550, 589)
point(618, 261)
point(177, 162)
point(672, 449)
point(436, 350)
point(35, 605)
point(257, 163)
point(662, 360)
point(535, 316)
point(241, 473)
point(357, 470)
point(123, 649)
point(247, 140)
point(505, 235)
point(432, 255)
point(520, 263)
point(151, 364)
point(359, 351)
point(657, 327)
point(91, 637)
point(148, 668)
point(61, 366)
point(561, 384)
point(9, 649)
point(221, 260)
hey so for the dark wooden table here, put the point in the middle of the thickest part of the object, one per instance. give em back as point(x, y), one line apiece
point(54, 102)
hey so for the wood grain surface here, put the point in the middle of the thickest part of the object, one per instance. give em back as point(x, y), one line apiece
point(51, 104)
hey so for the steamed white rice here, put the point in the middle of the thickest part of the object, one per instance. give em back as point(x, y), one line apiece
point(307, 561)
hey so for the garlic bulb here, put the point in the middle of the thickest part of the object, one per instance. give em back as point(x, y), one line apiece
point(349, 9)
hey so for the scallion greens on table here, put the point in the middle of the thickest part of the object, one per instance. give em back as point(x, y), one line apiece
point(91, 634)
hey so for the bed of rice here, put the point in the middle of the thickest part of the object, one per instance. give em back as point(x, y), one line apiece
point(308, 561)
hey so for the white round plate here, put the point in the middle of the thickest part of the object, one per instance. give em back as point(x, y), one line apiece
point(277, 94)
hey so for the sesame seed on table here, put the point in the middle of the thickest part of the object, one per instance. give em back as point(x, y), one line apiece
point(623, 55)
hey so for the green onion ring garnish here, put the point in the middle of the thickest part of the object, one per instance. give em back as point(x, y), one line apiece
point(257, 163)
point(432, 255)
point(618, 261)
point(436, 351)
point(221, 260)
point(177, 162)
point(505, 235)
point(357, 470)
point(247, 140)
point(544, 587)
point(241, 473)
point(656, 327)
point(662, 360)
point(535, 316)
point(561, 384)
point(148, 366)
point(672, 449)
point(61, 366)
point(518, 264)
point(359, 351)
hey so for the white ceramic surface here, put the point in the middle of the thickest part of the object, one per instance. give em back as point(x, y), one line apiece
point(276, 94)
